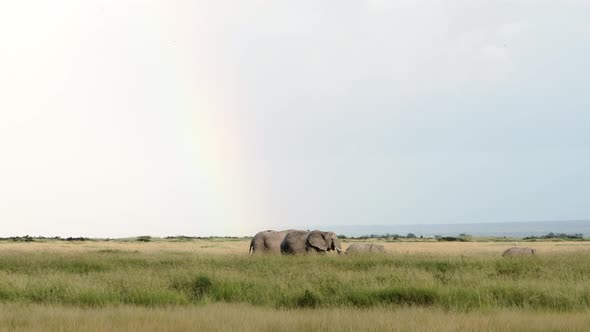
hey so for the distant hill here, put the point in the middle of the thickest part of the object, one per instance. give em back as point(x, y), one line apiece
point(508, 229)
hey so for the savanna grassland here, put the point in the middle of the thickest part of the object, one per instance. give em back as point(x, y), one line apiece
point(216, 285)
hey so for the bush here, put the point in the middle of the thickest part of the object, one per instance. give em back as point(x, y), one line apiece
point(25, 238)
point(200, 287)
point(195, 288)
point(451, 239)
point(77, 239)
point(307, 300)
point(144, 238)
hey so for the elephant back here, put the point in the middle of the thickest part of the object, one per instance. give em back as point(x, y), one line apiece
point(365, 248)
point(295, 242)
point(519, 251)
point(268, 241)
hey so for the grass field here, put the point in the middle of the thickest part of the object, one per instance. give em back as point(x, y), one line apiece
point(215, 284)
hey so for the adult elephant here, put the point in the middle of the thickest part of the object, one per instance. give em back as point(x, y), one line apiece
point(299, 242)
point(268, 241)
point(517, 251)
point(358, 248)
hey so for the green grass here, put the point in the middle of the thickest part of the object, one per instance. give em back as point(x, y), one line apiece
point(557, 283)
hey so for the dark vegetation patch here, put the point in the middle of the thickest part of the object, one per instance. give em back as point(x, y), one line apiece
point(77, 239)
point(307, 300)
point(394, 295)
point(110, 251)
point(195, 288)
point(79, 266)
point(144, 238)
point(25, 238)
point(451, 238)
point(180, 238)
point(518, 268)
point(556, 236)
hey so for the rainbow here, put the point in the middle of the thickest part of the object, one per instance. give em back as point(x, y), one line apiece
point(220, 152)
point(222, 156)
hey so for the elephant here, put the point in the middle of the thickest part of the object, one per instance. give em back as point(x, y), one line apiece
point(358, 248)
point(268, 241)
point(298, 242)
point(519, 251)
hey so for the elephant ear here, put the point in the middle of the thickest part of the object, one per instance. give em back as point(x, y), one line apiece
point(317, 240)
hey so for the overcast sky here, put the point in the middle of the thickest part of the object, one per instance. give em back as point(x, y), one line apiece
point(122, 118)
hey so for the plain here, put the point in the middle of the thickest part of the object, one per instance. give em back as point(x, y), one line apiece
point(215, 284)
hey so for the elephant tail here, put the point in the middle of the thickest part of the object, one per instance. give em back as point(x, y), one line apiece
point(251, 246)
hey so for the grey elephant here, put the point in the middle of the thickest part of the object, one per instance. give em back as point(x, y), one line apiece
point(358, 248)
point(268, 241)
point(519, 251)
point(299, 242)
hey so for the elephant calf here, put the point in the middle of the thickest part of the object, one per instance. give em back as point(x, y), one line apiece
point(357, 248)
point(518, 251)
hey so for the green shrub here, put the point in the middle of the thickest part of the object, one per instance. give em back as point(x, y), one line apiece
point(144, 238)
point(307, 300)
point(77, 239)
point(200, 287)
point(195, 288)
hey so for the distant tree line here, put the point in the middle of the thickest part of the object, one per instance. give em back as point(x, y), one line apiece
point(142, 238)
point(382, 236)
point(551, 235)
point(188, 238)
point(463, 237)
point(28, 238)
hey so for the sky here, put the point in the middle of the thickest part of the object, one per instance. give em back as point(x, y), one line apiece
point(123, 118)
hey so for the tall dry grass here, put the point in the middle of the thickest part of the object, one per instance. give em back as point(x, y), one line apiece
point(241, 317)
point(240, 246)
point(215, 285)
